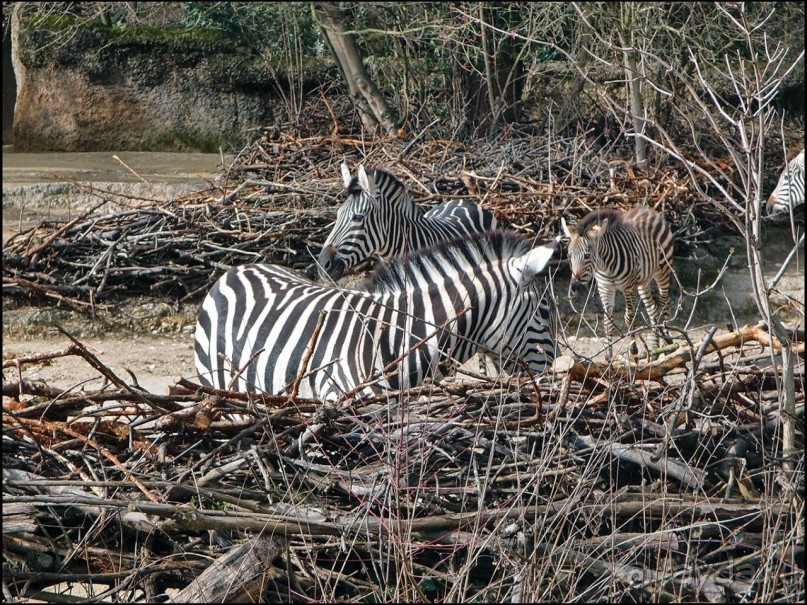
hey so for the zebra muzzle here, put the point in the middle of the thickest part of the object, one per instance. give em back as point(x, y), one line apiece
point(329, 263)
point(576, 285)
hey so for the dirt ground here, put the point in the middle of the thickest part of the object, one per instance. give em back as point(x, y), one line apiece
point(151, 339)
point(155, 361)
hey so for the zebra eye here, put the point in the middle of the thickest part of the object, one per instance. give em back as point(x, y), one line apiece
point(358, 217)
point(586, 255)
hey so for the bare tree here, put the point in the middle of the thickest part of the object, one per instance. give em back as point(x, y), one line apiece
point(742, 121)
point(625, 32)
point(724, 96)
point(373, 108)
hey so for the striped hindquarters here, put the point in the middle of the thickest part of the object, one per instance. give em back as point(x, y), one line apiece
point(256, 325)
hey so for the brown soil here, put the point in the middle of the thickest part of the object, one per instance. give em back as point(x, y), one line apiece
point(155, 361)
point(152, 339)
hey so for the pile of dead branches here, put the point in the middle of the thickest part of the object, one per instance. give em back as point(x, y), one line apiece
point(176, 248)
point(662, 482)
point(524, 179)
point(277, 200)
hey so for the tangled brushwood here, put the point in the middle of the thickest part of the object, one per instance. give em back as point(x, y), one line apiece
point(276, 201)
point(616, 482)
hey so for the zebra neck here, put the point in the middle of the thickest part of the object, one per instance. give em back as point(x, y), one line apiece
point(417, 230)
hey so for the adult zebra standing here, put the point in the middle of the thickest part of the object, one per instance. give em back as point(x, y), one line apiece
point(380, 217)
point(789, 191)
point(264, 328)
point(624, 252)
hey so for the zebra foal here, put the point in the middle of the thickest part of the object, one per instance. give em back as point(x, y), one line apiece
point(789, 191)
point(264, 328)
point(380, 217)
point(624, 252)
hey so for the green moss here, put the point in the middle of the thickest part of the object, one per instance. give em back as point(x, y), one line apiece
point(204, 39)
point(174, 37)
point(97, 47)
point(50, 22)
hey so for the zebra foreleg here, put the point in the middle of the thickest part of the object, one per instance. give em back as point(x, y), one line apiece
point(607, 296)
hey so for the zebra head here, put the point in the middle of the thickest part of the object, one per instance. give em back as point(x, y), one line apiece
point(789, 191)
point(361, 228)
point(527, 335)
point(580, 249)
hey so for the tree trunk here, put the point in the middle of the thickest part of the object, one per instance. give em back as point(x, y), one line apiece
point(634, 91)
point(372, 106)
point(490, 82)
point(753, 244)
point(636, 107)
point(19, 69)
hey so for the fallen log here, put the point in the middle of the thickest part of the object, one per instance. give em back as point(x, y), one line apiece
point(656, 370)
point(236, 577)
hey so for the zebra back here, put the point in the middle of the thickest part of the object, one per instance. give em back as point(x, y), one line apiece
point(626, 248)
point(265, 328)
point(380, 218)
point(789, 191)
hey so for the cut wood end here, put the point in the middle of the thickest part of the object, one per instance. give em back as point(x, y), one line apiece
point(564, 363)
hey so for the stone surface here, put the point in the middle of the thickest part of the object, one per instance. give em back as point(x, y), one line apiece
point(92, 88)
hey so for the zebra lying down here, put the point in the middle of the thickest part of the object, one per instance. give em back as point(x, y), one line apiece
point(380, 217)
point(257, 323)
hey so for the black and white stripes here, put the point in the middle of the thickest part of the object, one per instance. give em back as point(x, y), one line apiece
point(439, 304)
point(789, 191)
point(380, 217)
point(625, 252)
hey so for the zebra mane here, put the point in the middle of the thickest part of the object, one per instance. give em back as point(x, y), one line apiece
point(354, 188)
point(381, 177)
point(597, 216)
point(797, 162)
point(463, 254)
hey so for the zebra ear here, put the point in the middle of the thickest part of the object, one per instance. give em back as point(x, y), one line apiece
point(567, 232)
point(537, 259)
point(595, 230)
point(345, 174)
point(366, 182)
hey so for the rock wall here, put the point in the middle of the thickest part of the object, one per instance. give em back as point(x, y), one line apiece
point(88, 87)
